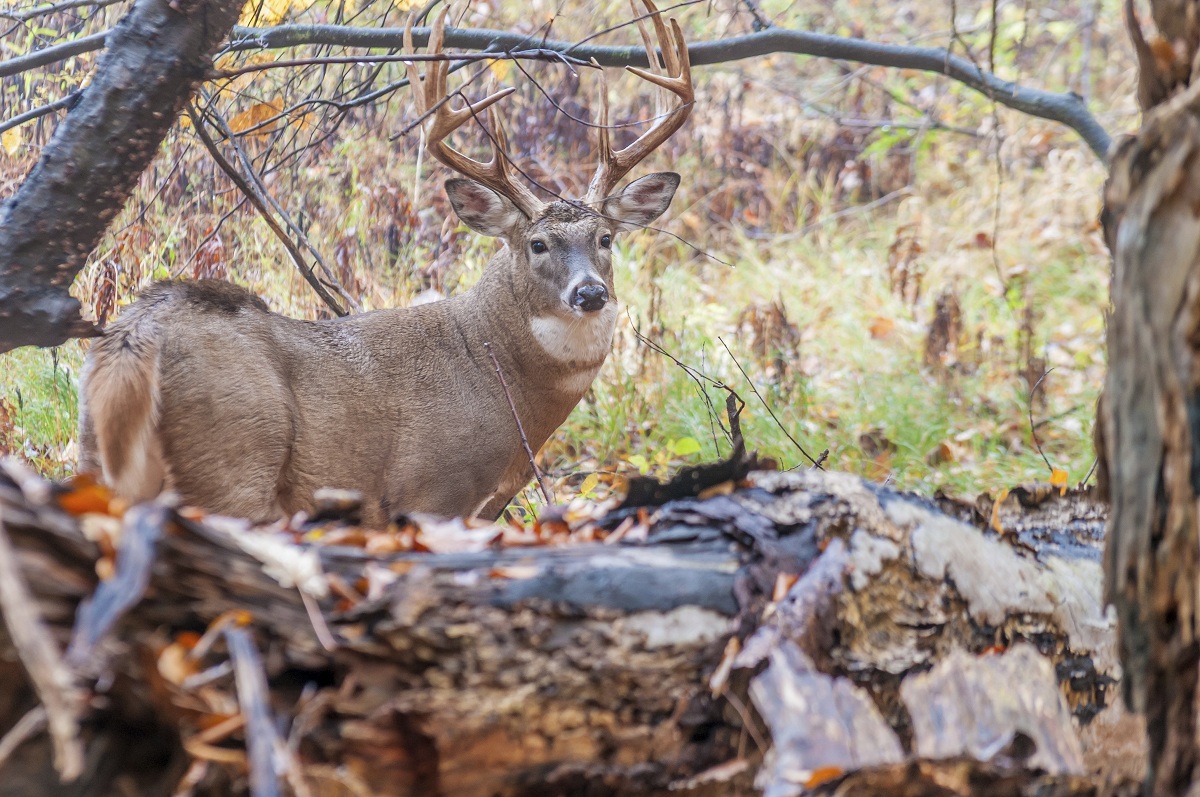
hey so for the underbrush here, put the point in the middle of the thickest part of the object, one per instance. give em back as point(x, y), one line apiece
point(925, 303)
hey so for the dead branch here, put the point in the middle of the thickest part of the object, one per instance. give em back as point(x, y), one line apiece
point(253, 197)
point(53, 681)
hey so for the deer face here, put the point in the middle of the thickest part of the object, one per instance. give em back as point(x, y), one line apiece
point(562, 260)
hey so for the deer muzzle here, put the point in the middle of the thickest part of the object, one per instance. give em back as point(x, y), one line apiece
point(589, 297)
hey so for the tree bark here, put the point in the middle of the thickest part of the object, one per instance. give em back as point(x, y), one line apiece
point(1150, 413)
point(154, 60)
point(668, 664)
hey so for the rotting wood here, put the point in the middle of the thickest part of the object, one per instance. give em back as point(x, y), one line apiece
point(547, 670)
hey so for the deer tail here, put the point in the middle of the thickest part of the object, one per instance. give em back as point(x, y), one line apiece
point(119, 399)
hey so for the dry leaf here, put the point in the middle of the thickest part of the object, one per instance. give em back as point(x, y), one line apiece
point(84, 496)
point(11, 140)
point(783, 582)
point(822, 775)
point(881, 327)
point(1058, 478)
point(996, 525)
point(515, 572)
point(255, 117)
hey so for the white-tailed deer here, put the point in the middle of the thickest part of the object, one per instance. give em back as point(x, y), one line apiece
point(200, 389)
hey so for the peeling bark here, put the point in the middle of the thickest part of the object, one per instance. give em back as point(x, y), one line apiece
point(154, 60)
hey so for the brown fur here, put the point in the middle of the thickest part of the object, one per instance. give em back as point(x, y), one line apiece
point(199, 388)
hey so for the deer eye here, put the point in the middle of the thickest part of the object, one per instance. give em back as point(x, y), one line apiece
point(606, 240)
point(538, 247)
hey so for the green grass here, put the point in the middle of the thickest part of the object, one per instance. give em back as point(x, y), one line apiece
point(38, 393)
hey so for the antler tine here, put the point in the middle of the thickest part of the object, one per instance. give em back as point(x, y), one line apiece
point(676, 78)
point(432, 98)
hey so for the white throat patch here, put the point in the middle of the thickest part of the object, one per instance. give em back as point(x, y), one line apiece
point(584, 338)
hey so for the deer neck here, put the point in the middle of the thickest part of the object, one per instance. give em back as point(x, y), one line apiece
point(552, 356)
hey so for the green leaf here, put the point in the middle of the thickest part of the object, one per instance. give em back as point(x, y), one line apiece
point(685, 446)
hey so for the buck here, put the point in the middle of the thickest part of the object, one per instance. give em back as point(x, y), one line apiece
point(200, 389)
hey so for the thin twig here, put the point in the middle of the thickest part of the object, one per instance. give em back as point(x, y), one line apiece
point(25, 16)
point(320, 627)
point(262, 737)
point(33, 723)
point(767, 407)
point(700, 378)
point(521, 429)
point(1032, 426)
point(40, 111)
point(1091, 470)
point(537, 54)
point(53, 681)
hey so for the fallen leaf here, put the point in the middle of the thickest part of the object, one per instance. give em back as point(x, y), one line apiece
point(589, 484)
point(996, 525)
point(881, 327)
point(822, 775)
point(783, 582)
point(515, 572)
point(1059, 477)
point(84, 496)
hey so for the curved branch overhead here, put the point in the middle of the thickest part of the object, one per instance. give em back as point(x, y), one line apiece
point(1066, 108)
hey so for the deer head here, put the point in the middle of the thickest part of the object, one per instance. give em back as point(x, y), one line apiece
point(561, 250)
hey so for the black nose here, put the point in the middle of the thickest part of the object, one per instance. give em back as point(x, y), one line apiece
point(590, 297)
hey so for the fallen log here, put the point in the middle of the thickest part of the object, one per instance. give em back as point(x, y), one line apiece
point(655, 660)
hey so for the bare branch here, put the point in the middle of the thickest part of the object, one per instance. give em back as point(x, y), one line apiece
point(1067, 108)
point(52, 55)
point(37, 113)
point(54, 8)
point(252, 195)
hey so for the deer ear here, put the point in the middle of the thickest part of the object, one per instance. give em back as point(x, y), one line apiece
point(642, 201)
point(482, 209)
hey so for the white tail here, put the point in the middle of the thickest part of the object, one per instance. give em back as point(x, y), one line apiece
point(199, 388)
point(119, 405)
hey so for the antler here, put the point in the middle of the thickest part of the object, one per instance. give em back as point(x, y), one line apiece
point(676, 78)
point(432, 99)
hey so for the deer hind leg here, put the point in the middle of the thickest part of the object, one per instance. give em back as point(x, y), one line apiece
point(231, 476)
point(227, 448)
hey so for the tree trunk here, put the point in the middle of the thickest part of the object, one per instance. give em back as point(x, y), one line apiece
point(1150, 414)
point(671, 663)
point(153, 62)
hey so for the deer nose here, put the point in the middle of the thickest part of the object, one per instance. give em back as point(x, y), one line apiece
point(589, 297)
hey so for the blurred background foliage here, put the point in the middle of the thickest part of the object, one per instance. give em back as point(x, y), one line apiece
point(893, 260)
